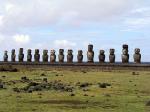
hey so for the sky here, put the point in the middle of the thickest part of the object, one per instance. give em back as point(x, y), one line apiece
point(73, 24)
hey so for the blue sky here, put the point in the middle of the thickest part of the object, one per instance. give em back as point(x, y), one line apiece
point(73, 24)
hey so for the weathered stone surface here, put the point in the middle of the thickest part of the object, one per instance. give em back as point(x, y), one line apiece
point(53, 56)
point(45, 56)
point(125, 55)
point(37, 55)
point(70, 56)
point(112, 56)
point(21, 55)
point(137, 56)
point(90, 54)
point(61, 55)
point(5, 56)
point(80, 56)
point(13, 55)
point(102, 56)
point(29, 55)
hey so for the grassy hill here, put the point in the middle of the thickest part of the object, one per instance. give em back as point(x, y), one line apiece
point(74, 91)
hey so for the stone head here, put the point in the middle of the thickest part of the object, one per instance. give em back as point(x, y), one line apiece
point(52, 52)
point(125, 51)
point(80, 52)
point(102, 52)
point(61, 51)
point(137, 51)
point(29, 51)
point(112, 51)
point(90, 47)
point(70, 51)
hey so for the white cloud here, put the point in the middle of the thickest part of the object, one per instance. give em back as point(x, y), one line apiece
point(141, 10)
point(1, 20)
point(9, 7)
point(138, 19)
point(21, 39)
point(138, 22)
point(1, 39)
point(65, 44)
point(31, 13)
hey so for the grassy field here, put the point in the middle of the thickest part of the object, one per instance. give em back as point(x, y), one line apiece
point(127, 92)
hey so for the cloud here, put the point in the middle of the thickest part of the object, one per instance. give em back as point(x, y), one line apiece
point(65, 44)
point(38, 13)
point(138, 19)
point(21, 39)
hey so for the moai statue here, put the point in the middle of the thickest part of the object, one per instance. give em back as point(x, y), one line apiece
point(45, 55)
point(37, 55)
point(125, 55)
point(90, 54)
point(61, 55)
point(21, 55)
point(13, 55)
point(29, 55)
point(102, 56)
point(137, 56)
point(70, 56)
point(112, 56)
point(5, 56)
point(52, 56)
point(80, 56)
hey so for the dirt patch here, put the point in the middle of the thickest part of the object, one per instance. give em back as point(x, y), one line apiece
point(8, 68)
point(75, 104)
point(69, 102)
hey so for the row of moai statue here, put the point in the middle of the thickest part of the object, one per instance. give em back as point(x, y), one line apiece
point(90, 55)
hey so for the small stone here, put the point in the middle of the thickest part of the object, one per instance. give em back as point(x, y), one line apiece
point(43, 74)
point(85, 95)
point(72, 94)
point(1, 86)
point(148, 103)
point(45, 79)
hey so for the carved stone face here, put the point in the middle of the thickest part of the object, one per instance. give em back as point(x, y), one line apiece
point(70, 52)
point(45, 52)
point(13, 51)
point(90, 48)
point(102, 52)
point(80, 52)
point(137, 51)
point(5, 52)
point(52, 52)
point(125, 51)
point(112, 51)
point(36, 51)
point(29, 51)
point(21, 50)
point(125, 46)
point(61, 51)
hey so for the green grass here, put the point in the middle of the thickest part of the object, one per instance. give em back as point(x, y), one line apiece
point(128, 93)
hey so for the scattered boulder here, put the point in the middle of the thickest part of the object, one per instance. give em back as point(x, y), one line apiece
point(148, 103)
point(83, 85)
point(16, 90)
point(104, 85)
point(85, 95)
point(45, 79)
point(84, 72)
point(3, 76)
point(42, 74)
point(1, 86)
point(135, 73)
point(24, 78)
point(85, 89)
point(72, 94)
point(55, 85)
